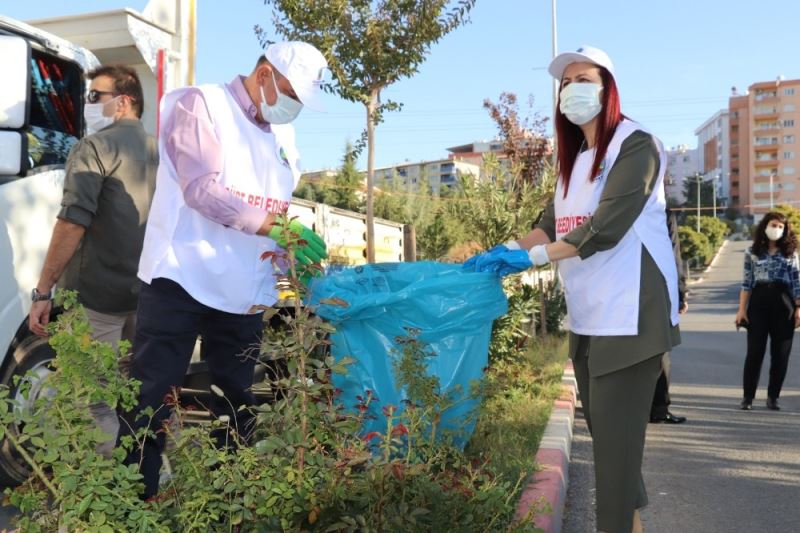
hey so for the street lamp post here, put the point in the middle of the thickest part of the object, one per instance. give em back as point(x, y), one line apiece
point(555, 84)
point(714, 182)
point(771, 201)
point(698, 176)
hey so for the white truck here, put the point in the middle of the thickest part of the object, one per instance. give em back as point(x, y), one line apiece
point(41, 117)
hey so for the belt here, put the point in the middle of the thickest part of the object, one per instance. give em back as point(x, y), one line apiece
point(772, 285)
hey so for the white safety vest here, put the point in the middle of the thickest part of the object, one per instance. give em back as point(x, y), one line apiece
point(219, 266)
point(602, 291)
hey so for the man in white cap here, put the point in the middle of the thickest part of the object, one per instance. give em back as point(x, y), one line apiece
point(228, 168)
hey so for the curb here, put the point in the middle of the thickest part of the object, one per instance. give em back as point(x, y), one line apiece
point(549, 483)
point(712, 264)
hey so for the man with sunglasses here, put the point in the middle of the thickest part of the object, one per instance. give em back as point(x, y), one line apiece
point(97, 239)
point(228, 168)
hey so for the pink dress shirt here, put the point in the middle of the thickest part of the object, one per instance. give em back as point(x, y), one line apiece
point(195, 151)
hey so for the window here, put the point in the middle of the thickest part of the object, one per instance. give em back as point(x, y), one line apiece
point(788, 155)
point(788, 170)
point(788, 139)
point(789, 107)
point(788, 91)
point(788, 186)
point(788, 123)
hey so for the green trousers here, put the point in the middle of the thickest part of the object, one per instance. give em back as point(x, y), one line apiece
point(617, 410)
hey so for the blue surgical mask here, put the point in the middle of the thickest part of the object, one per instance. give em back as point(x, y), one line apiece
point(580, 102)
point(283, 111)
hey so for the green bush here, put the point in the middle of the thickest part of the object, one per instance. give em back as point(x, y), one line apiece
point(714, 229)
point(694, 245)
point(307, 467)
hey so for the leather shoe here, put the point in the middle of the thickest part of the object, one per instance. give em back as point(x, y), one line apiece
point(668, 418)
point(772, 403)
point(747, 405)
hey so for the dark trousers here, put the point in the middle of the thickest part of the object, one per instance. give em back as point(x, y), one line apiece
point(168, 323)
point(615, 406)
point(661, 399)
point(770, 313)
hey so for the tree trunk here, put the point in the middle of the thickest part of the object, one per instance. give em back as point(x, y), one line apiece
point(373, 103)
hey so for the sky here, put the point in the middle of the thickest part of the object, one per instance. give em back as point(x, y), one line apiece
point(675, 63)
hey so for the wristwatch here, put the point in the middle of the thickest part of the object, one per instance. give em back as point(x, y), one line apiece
point(37, 296)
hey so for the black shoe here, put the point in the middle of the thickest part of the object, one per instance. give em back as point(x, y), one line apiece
point(747, 405)
point(668, 418)
point(772, 403)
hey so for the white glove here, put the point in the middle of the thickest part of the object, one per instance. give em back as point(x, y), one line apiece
point(538, 255)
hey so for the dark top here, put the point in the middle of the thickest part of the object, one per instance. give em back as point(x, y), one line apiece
point(628, 187)
point(108, 187)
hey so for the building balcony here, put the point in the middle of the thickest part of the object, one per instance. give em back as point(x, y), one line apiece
point(765, 195)
point(761, 163)
point(766, 99)
point(766, 147)
point(765, 114)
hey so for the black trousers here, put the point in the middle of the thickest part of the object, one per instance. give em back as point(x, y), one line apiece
point(770, 313)
point(168, 323)
point(661, 399)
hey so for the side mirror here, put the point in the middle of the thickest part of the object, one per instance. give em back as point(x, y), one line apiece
point(15, 60)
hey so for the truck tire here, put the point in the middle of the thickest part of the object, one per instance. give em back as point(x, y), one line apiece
point(32, 354)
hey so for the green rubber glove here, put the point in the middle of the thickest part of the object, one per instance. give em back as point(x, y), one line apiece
point(308, 246)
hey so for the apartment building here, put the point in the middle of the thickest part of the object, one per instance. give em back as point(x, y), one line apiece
point(415, 177)
point(764, 149)
point(682, 162)
point(713, 153)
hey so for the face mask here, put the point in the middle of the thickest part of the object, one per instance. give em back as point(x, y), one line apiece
point(774, 233)
point(283, 111)
point(580, 102)
point(95, 119)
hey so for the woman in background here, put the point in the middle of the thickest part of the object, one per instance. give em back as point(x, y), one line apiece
point(769, 304)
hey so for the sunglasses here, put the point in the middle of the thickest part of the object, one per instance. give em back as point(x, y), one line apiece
point(94, 96)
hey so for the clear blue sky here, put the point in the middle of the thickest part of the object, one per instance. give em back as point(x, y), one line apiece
point(675, 61)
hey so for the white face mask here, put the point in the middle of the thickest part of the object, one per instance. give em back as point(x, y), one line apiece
point(283, 111)
point(580, 102)
point(773, 233)
point(95, 119)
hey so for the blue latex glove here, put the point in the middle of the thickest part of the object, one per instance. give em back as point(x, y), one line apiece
point(470, 264)
point(500, 260)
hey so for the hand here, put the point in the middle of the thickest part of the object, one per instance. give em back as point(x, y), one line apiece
point(39, 317)
point(470, 264)
point(797, 317)
point(308, 246)
point(741, 317)
point(501, 260)
point(683, 307)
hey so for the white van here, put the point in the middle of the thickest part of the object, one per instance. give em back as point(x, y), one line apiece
point(41, 117)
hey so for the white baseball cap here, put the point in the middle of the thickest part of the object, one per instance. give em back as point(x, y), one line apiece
point(588, 54)
point(304, 66)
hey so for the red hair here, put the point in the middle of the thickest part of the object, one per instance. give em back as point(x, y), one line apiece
point(570, 136)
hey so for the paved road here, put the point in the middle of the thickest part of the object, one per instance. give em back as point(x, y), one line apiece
point(725, 470)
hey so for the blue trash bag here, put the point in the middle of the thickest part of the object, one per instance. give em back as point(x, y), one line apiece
point(452, 308)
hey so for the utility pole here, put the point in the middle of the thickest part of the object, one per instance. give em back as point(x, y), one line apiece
point(698, 176)
point(555, 85)
point(771, 201)
point(714, 182)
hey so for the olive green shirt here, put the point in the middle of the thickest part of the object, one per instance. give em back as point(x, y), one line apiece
point(109, 184)
point(629, 185)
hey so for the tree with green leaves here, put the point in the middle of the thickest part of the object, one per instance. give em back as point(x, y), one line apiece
point(343, 192)
point(369, 45)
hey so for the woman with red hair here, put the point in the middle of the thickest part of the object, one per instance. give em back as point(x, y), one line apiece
point(607, 230)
